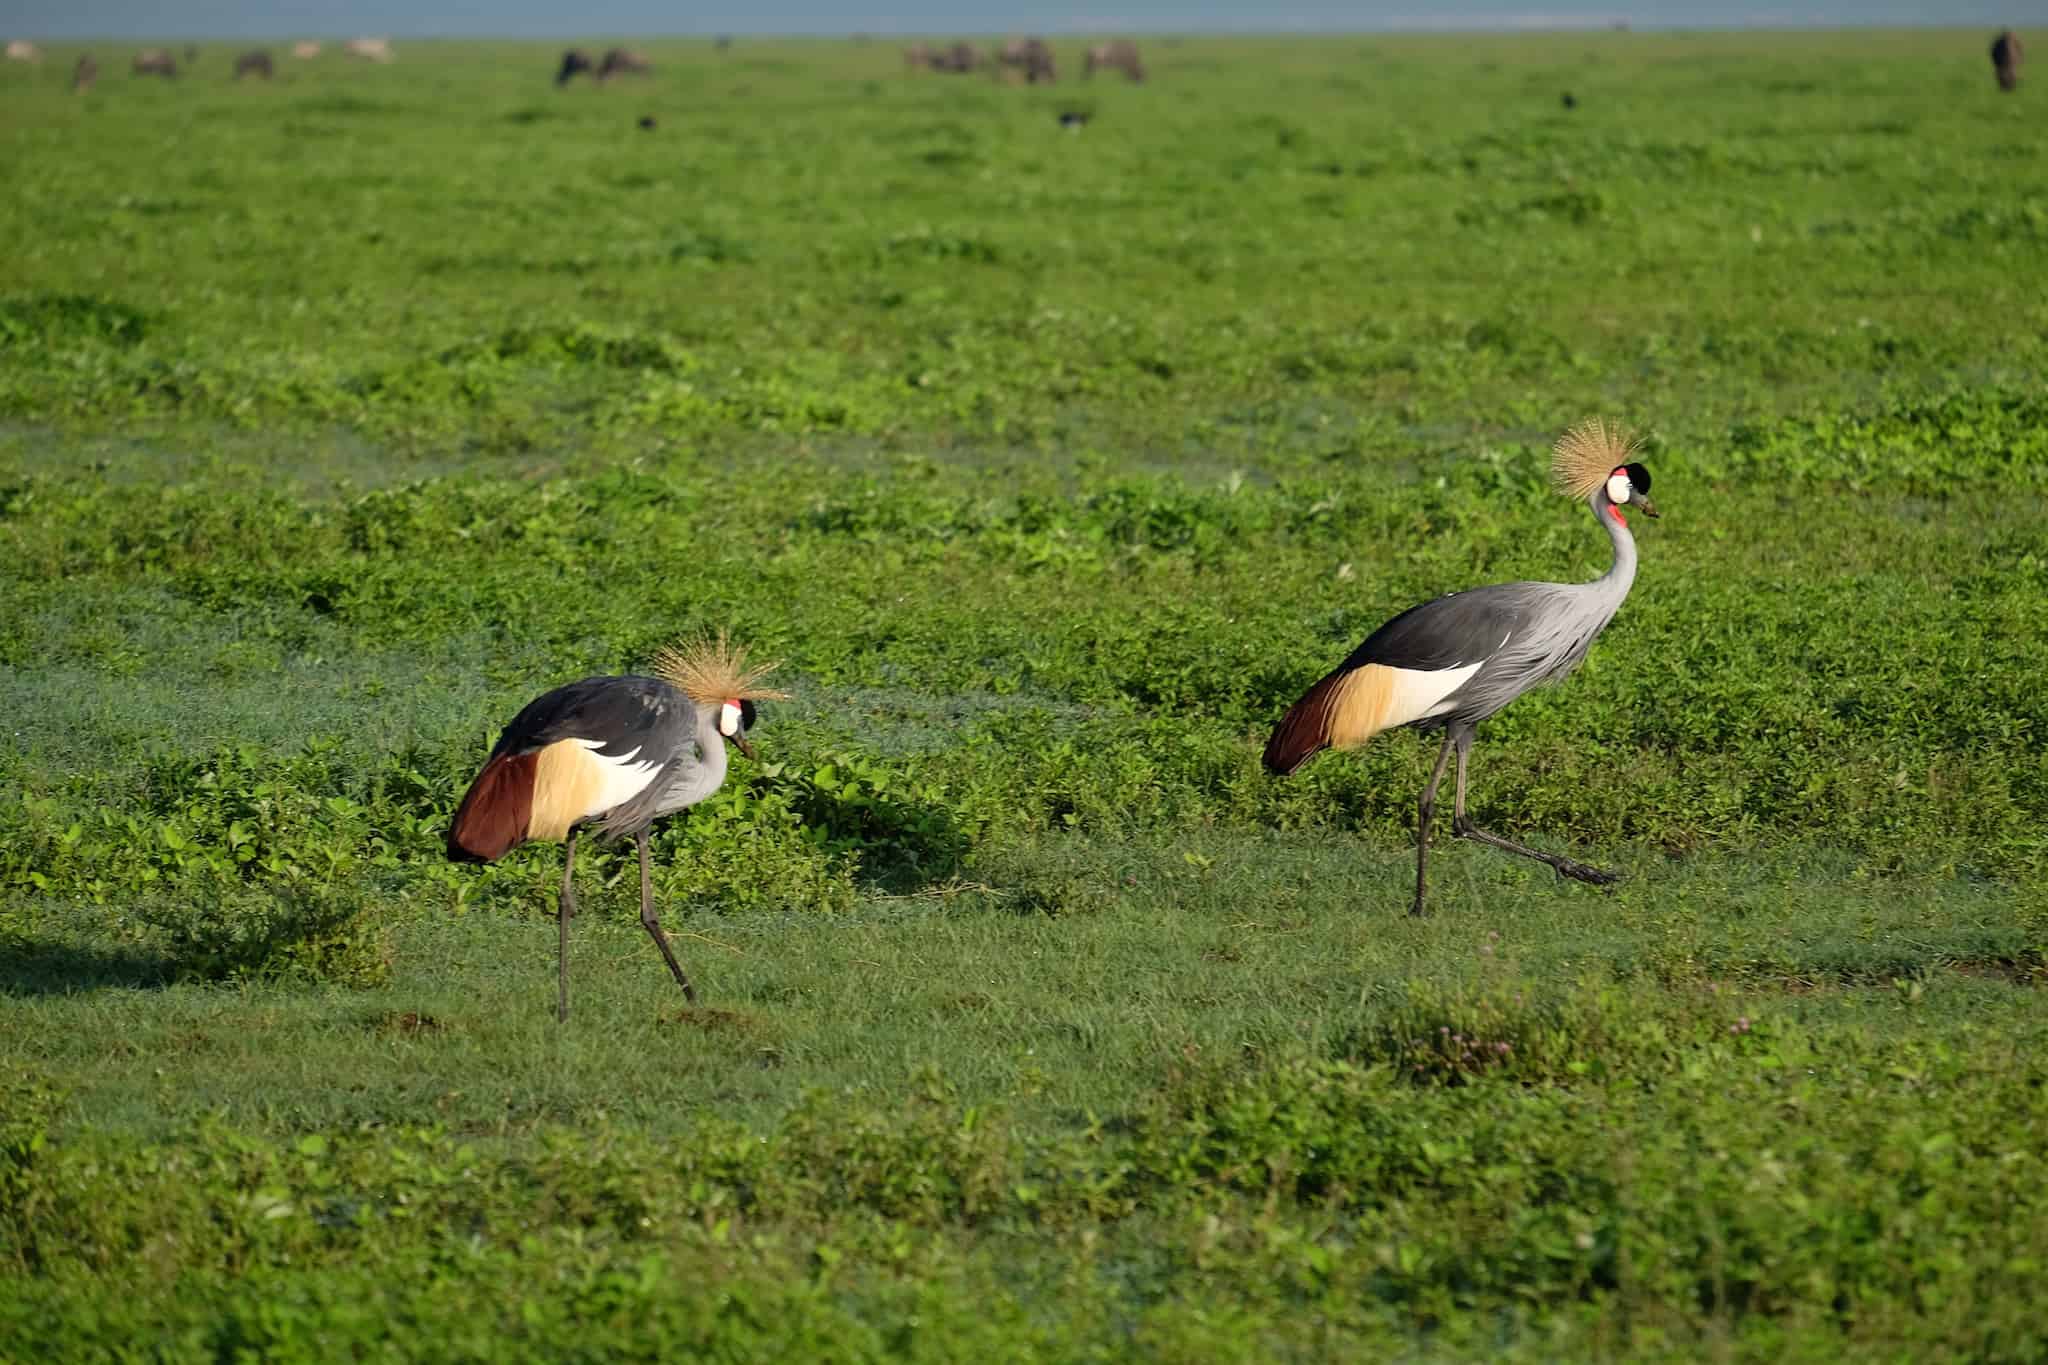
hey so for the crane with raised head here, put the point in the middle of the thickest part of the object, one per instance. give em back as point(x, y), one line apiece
point(1450, 663)
point(613, 755)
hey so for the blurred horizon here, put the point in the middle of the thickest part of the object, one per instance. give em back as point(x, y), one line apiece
point(60, 20)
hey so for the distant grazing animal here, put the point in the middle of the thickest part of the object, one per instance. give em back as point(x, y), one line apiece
point(621, 61)
point(1452, 662)
point(1073, 119)
point(722, 41)
point(22, 50)
point(255, 62)
point(1118, 55)
point(574, 61)
point(2006, 54)
point(191, 55)
point(305, 51)
point(613, 754)
point(153, 61)
point(1568, 101)
point(955, 57)
point(84, 74)
point(369, 49)
point(1027, 55)
point(647, 123)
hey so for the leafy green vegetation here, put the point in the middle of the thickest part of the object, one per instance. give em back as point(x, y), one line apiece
point(344, 414)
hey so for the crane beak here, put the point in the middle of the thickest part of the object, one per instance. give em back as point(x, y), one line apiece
point(1649, 508)
point(744, 747)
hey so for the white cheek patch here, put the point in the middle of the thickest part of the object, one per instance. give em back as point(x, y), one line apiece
point(1618, 488)
point(728, 720)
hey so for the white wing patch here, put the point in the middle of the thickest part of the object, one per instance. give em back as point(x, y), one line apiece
point(620, 778)
point(572, 781)
point(1420, 693)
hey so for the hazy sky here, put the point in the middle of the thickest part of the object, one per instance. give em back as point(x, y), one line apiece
point(585, 18)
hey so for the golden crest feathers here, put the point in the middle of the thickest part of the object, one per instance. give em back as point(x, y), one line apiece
point(1584, 456)
point(713, 671)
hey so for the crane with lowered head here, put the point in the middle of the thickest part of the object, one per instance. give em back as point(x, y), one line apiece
point(613, 754)
point(1450, 663)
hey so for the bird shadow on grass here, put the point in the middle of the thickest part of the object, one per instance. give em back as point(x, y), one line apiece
point(913, 861)
point(29, 968)
point(905, 845)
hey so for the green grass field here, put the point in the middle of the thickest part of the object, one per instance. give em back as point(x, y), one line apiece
point(339, 416)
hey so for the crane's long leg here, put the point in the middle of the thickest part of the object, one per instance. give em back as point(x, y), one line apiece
point(565, 910)
point(1462, 826)
point(653, 923)
point(1423, 812)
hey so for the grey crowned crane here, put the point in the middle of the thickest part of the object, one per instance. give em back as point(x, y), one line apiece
point(612, 754)
point(1450, 663)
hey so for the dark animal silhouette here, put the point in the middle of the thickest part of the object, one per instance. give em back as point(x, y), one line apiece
point(722, 41)
point(647, 123)
point(1030, 56)
point(574, 61)
point(1568, 101)
point(1118, 55)
point(2006, 54)
point(955, 58)
point(153, 61)
point(1073, 119)
point(255, 62)
point(620, 61)
point(84, 74)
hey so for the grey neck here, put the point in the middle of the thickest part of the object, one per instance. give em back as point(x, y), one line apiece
point(698, 780)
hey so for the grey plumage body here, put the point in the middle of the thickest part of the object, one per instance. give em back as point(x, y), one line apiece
point(1523, 635)
point(695, 768)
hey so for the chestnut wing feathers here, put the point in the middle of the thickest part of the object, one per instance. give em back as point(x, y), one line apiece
point(569, 755)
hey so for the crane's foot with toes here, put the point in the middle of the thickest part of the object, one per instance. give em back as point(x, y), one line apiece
point(1463, 827)
point(1580, 872)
